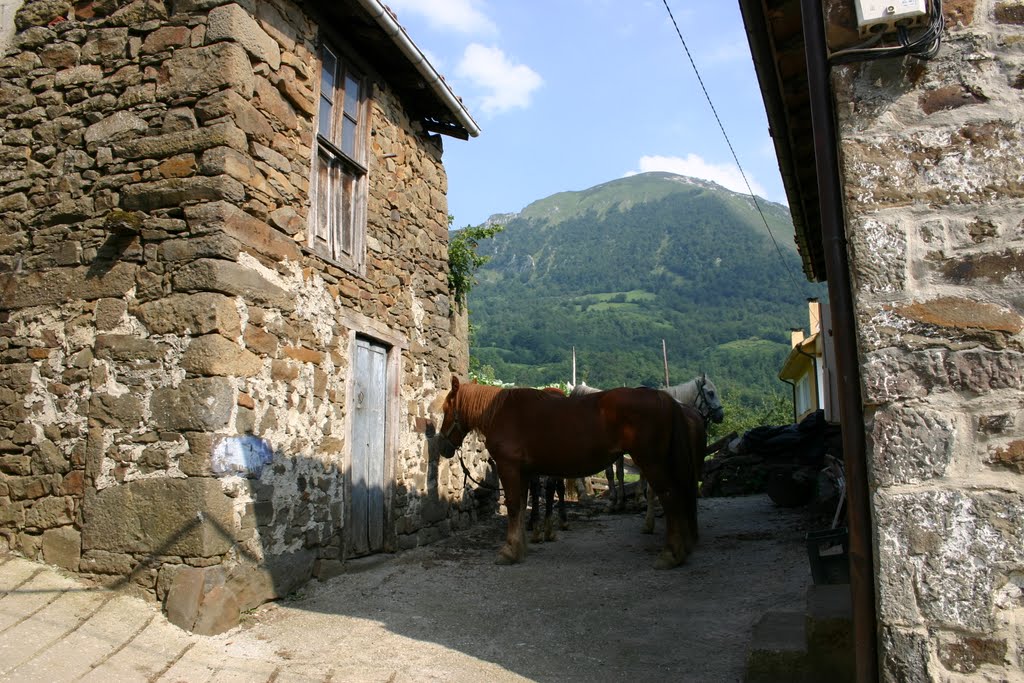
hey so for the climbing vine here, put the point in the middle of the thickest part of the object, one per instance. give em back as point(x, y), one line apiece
point(463, 259)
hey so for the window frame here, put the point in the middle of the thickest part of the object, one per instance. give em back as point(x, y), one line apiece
point(805, 397)
point(332, 235)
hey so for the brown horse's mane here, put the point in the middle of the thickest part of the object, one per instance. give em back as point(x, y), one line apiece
point(477, 404)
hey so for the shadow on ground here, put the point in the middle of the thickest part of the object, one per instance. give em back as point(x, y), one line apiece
point(588, 606)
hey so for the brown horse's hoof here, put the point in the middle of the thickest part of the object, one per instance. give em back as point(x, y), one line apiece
point(504, 559)
point(668, 560)
point(509, 556)
point(535, 537)
point(648, 529)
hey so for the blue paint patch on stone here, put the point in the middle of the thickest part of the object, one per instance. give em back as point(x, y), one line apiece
point(241, 454)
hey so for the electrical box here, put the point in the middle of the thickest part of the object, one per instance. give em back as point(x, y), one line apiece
point(883, 16)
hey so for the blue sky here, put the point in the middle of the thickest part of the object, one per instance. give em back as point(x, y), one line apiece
point(573, 93)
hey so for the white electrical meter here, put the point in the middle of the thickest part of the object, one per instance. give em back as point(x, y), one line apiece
point(883, 16)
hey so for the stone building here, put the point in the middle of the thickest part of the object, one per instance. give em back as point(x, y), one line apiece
point(906, 181)
point(223, 294)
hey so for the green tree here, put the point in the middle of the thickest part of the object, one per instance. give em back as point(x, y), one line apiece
point(463, 259)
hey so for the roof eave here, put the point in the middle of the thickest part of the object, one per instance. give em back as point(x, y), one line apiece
point(785, 106)
point(389, 24)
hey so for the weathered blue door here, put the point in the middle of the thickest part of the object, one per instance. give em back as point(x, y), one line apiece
point(366, 528)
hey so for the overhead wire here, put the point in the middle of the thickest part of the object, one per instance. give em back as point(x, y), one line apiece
point(728, 142)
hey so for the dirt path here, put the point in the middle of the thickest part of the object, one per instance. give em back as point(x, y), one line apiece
point(588, 607)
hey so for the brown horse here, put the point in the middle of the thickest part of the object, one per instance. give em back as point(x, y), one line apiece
point(549, 487)
point(532, 432)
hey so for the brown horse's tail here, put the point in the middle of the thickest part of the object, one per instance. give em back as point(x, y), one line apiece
point(687, 455)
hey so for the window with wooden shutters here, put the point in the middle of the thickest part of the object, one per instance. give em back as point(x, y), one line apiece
point(338, 218)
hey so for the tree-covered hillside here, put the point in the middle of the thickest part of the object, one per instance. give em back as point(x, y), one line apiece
point(614, 270)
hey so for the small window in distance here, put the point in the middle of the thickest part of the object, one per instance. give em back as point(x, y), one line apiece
point(803, 395)
point(338, 216)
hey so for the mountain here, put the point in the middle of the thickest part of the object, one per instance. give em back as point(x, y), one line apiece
point(616, 269)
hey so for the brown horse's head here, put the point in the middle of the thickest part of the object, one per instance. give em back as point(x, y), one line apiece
point(453, 430)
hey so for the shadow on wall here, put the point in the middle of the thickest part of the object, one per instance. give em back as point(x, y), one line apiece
point(263, 525)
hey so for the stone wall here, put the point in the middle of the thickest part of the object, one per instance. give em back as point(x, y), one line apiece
point(174, 363)
point(934, 192)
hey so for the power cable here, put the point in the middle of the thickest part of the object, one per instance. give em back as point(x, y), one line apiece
point(924, 45)
point(735, 157)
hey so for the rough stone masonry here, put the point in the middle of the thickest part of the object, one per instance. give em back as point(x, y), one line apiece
point(174, 362)
point(934, 198)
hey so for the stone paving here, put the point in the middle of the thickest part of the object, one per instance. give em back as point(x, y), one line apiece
point(54, 628)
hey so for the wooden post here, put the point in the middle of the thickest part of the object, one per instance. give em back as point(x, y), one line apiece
point(574, 366)
point(664, 355)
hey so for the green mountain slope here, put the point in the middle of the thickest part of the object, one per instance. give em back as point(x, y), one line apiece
point(616, 269)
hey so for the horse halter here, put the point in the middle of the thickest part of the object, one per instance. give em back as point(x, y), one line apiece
point(449, 449)
point(444, 436)
point(704, 408)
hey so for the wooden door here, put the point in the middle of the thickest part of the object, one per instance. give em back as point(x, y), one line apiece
point(369, 401)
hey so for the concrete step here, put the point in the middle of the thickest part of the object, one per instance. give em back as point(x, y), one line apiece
point(805, 647)
point(778, 650)
point(830, 632)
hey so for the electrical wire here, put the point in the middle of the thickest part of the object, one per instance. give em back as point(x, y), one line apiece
point(924, 45)
point(735, 157)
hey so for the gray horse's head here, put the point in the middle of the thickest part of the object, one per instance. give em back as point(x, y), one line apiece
point(708, 401)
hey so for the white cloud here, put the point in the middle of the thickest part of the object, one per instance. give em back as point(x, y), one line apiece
point(726, 175)
point(727, 53)
point(463, 16)
point(508, 85)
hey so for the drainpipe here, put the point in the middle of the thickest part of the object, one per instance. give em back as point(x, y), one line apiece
point(830, 196)
point(792, 386)
point(387, 21)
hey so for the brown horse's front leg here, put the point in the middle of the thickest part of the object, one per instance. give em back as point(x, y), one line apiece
point(514, 549)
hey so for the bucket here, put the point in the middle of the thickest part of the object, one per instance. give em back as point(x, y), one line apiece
point(828, 553)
